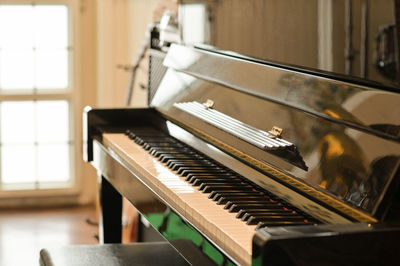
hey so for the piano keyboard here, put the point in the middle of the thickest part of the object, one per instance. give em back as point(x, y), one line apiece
point(253, 205)
point(219, 202)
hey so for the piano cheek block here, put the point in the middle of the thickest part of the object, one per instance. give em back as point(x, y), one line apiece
point(374, 247)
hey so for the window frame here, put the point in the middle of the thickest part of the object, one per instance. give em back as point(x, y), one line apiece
point(73, 96)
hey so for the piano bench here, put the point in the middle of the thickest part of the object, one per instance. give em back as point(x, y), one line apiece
point(155, 253)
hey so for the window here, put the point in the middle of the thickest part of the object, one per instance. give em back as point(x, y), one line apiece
point(36, 135)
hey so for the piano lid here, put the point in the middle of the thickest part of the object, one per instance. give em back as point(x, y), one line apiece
point(335, 141)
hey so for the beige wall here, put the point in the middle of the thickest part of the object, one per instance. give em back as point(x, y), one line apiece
point(122, 27)
point(88, 84)
point(112, 29)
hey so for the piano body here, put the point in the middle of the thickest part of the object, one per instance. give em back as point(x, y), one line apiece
point(261, 164)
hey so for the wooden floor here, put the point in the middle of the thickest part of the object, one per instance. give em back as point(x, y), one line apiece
point(24, 232)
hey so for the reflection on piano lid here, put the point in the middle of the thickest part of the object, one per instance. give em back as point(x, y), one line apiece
point(264, 164)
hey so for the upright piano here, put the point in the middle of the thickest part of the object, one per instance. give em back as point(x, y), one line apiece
point(255, 163)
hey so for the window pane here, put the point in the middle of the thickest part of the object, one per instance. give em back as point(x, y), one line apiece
point(53, 163)
point(51, 69)
point(17, 122)
point(17, 69)
point(17, 163)
point(52, 121)
point(51, 26)
point(35, 138)
point(16, 28)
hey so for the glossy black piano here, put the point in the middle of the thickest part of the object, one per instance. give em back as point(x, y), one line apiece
point(255, 163)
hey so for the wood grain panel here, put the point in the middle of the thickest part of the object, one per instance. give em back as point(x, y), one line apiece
point(257, 28)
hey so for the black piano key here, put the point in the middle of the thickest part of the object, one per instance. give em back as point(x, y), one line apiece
point(196, 167)
point(138, 140)
point(165, 158)
point(199, 171)
point(238, 207)
point(188, 162)
point(185, 170)
point(130, 134)
point(234, 198)
point(238, 197)
point(211, 175)
point(196, 160)
point(236, 182)
point(180, 167)
point(200, 181)
point(175, 153)
point(215, 195)
point(215, 188)
point(226, 187)
point(194, 163)
point(206, 187)
point(146, 131)
point(160, 154)
point(153, 135)
point(168, 147)
point(253, 220)
point(280, 223)
point(156, 153)
point(281, 209)
point(266, 205)
point(165, 148)
point(255, 201)
point(244, 214)
point(162, 142)
point(218, 185)
point(229, 182)
point(152, 145)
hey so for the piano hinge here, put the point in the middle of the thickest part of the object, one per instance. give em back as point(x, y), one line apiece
point(275, 132)
point(208, 104)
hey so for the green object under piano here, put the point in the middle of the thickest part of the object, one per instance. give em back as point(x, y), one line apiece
point(172, 227)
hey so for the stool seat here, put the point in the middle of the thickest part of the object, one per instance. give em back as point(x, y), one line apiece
point(135, 254)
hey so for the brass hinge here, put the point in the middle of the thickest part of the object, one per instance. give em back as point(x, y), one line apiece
point(275, 132)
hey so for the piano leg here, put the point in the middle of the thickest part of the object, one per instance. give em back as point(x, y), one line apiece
point(110, 224)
